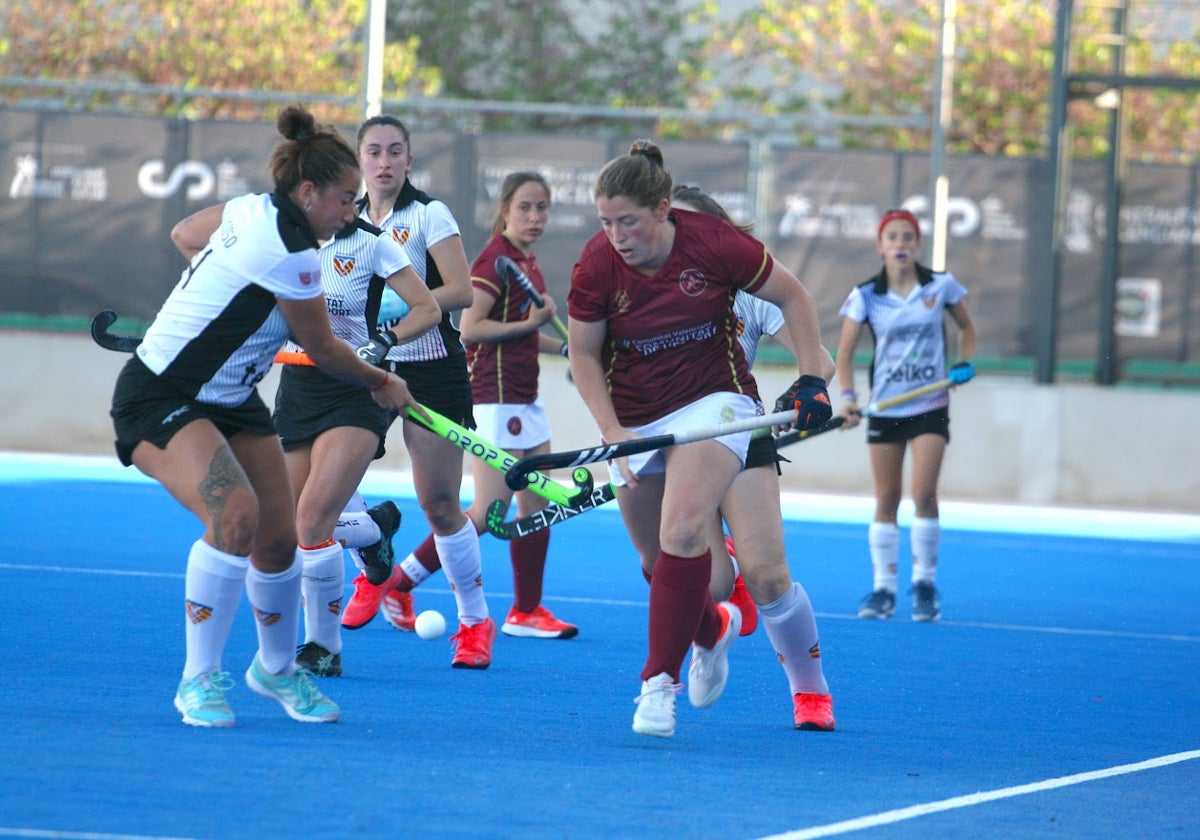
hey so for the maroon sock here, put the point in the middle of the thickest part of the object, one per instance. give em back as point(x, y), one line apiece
point(678, 591)
point(427, 556)
point(528, 555)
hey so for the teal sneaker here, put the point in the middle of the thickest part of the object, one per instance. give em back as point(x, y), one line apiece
point(296, 692)
point(201, 700)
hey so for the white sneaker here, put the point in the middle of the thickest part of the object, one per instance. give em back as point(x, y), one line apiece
point(655, 713)
point(709, 670)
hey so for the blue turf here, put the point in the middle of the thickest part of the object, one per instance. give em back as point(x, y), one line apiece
point(1056, 655)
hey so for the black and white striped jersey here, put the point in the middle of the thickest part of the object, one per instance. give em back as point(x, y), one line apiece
point(216, 335)
point(417, 223)
point(355, 266)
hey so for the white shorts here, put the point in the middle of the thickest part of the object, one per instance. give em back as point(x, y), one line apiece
point(513, 425)
point(712, 410)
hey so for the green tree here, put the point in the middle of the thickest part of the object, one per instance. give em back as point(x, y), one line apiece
point(869, 58)
point(314, 47)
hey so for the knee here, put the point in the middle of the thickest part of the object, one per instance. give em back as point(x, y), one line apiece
point(767, 584)
point(274, 555)
point(444, 513)
point(234, 529)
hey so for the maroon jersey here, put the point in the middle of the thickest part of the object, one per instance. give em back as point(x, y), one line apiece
point(506, 372)
point(672, 337)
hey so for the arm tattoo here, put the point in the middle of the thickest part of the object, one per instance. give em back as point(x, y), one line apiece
point(224, 476)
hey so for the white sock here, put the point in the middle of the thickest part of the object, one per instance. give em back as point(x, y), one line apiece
point(212, 591)
point(323, 585)
point(463, 565)
point(792, 629)
point(355, 558)
point(414, 568)
point(884, 541)
point(356, 528)
point(925, 536)
point(275, 600)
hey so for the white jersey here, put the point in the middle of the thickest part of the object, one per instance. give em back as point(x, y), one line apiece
point(216, 335)
point(756, 318)
point(910, 336)
point(417, 223)
point(355, 265)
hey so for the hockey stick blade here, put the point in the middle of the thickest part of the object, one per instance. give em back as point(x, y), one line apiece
point(118, 343)
point(552, 514)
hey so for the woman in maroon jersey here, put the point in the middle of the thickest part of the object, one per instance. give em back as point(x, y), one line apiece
point(654, 350)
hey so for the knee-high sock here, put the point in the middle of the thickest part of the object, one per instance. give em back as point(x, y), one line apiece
point(275, 599)
point(679, 598)
point(355, 528)
point(323, 586)
point(792, 629)
point(925, 536)
point(528, 556)
point(883, 538)
point(212, 591)
point(463, 565)
point(421, 563)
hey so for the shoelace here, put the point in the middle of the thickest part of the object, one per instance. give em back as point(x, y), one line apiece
point(208, 686)
point(659, 692)
point(306, 690)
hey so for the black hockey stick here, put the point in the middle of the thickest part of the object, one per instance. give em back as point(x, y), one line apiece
point(100, 334)
point(509, 270)
point(797, 435)
point(552, 514)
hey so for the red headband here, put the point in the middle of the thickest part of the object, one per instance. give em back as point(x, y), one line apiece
point(892, 215)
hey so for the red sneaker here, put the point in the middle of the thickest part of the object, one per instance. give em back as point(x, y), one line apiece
point(473, 645)
point(539, 623)
point(398, 610)
point(814, 712)
point(740, 597)
point(364, 603)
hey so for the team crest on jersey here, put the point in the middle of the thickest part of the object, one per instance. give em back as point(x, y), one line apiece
point(513, 425)
point(343, 264)
point(622, 301)
point(739, 326)
point(401, 233)
point(930, 301)
point(307, 278)
point(692, 282)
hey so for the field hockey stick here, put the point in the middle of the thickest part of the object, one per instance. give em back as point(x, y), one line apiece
point(515, 477)
point(489, 453)
point(797, 435)
point(507, 268)
point(100, 334)
point(552, 514)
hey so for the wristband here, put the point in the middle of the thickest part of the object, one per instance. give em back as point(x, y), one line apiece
point(386, 376)
point(850, 394)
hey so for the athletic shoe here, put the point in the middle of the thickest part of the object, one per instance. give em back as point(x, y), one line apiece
point(397, 608)
point(655, 713)
point(364, 603)
point(540, 623)
point(319, 660)
point(296, 692)
point(473, 645)
point(925, 602)
point(378, 558)
point(814, 712)
point(879, 604)
point(201, 700)
point(740, 598)
point(710, 666)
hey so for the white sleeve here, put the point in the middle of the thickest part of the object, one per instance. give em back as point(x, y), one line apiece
point(439, 223)
point(390, 256)
point(854, 307)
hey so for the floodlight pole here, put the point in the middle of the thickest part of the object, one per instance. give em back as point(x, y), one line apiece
point(943, 100)
point(376, 25)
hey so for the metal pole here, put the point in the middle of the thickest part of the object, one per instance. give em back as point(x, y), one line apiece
point(1106, 358)
point(943, 108)
point(1045, 313)
point(373, 58)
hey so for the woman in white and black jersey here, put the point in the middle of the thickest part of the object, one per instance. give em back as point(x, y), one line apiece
point(435, 366)
point(187, 412)
point(331, 430)
point(904, 307)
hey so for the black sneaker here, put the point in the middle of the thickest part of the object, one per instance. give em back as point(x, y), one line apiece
point(315, 657)
point(879, 604)
point(925, 602)
point(378, 558)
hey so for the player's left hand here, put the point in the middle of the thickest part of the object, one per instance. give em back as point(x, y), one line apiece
point(376, 350)
point(809, 397)
point(962, 372)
